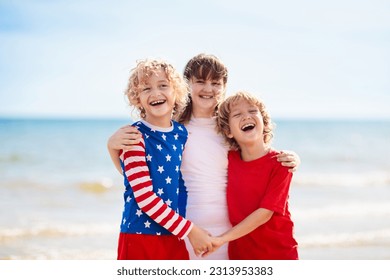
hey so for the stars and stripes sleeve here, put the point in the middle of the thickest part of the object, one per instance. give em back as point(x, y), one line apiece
point(137, 173)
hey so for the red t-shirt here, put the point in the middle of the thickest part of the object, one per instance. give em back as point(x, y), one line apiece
point(261, 183)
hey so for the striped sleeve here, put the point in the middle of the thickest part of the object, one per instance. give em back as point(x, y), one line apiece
point(137, 173)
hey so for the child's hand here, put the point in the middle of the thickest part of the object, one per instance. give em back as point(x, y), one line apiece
point(289, 159)
point(200, 240)
point(217, 242)
point(124, 138)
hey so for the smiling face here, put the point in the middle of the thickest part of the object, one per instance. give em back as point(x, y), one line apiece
point(244, 120)
point(205, 95)
point(157, 98)
point(246, 123)
point(206, 76)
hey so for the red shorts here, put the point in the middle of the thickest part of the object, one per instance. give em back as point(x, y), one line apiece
point(151, 247)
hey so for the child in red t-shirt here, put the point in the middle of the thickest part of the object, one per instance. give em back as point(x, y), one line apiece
point(258, 185)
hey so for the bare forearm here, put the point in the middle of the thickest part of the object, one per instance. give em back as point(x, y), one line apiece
point(114, 154)
point(123, 139)
point(254, 220)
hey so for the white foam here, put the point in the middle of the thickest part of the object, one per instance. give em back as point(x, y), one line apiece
point(346, 179)
point(346, 239)
point(56, 231)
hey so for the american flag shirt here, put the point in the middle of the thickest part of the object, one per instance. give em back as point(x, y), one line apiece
point(155, 195)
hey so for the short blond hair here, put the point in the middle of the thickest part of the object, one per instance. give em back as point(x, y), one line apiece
point(225, 110)
point(145, 69)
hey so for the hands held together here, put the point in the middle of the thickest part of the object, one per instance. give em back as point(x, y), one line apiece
point(203, 243)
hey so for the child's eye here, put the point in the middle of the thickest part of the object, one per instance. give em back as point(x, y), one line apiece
point(199, 81)
point(254, 111)
point(216, 84)
point(146, 89)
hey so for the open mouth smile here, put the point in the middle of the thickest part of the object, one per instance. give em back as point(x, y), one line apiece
point(206, 96)
point(248, 127)
point(157, 102)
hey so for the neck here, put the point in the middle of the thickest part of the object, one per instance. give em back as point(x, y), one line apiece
point(200, 113)
point(163, 122)
point(252, 152)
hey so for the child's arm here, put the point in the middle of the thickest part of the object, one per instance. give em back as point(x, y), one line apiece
point(122, 139)
point(114, 154)
point(137, 172)
point(250, 223)
point(275, 199)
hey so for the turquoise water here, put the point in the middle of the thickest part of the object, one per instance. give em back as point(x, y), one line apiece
point(61, 197)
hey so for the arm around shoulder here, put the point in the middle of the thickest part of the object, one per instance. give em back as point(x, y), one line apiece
point(122, 139)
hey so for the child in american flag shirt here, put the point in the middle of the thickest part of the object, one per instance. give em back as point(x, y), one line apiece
point(153, 222)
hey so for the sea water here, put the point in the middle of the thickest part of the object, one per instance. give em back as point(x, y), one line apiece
point(61, 197)
point(340, 196)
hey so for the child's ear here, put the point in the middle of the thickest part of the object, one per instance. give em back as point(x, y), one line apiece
point(229, 135)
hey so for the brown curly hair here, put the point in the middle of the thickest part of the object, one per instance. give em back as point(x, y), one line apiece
point(145, 69)
point(224, 113)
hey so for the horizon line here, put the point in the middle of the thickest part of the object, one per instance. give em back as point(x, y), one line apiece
point(113, 118)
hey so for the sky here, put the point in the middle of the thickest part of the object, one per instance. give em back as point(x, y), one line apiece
point(305, 59)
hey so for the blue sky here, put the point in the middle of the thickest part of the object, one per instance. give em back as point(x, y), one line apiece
point(306, 59)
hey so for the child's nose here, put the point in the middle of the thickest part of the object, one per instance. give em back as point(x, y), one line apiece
point(208, 87)
point(246, 116)
point(155, 92)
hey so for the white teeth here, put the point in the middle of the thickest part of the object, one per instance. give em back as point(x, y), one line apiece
point(206, 96)
point(157, 102)
point(247, 126)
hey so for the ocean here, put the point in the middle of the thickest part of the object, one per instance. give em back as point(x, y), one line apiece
point(61, 197)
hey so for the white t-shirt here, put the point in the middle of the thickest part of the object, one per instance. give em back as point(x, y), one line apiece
point(204, 169)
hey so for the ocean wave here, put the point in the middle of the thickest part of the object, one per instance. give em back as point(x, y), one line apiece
point(346, 210)
point(355, 239)
point(101, 186)
point(11, 158)
point(56, 231)
point(361, 179)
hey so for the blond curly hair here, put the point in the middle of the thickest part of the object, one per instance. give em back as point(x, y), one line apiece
point(145, 69)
